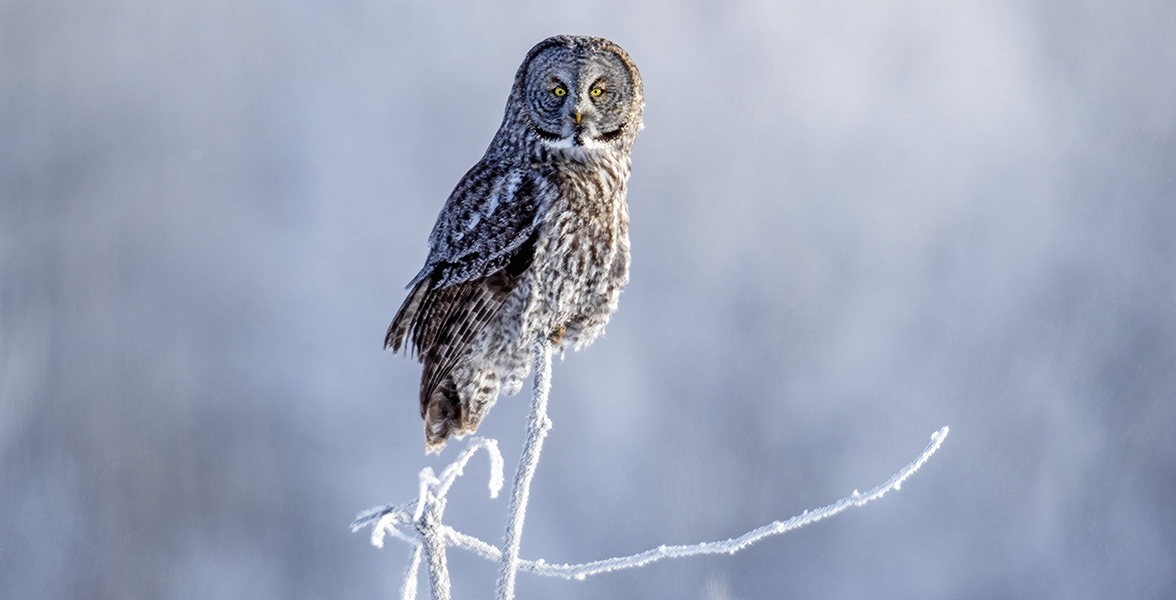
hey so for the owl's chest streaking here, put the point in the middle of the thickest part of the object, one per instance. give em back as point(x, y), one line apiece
point(582, 252)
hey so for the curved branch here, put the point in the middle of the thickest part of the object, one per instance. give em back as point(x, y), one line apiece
point(424, 512)
point(730, 546)
point(734, 545)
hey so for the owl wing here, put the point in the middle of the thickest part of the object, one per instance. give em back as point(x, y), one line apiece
point(480, 247)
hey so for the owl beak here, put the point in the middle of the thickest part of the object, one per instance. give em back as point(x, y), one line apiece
point(578, 115)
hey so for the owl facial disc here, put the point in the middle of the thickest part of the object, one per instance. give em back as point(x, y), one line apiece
point(578, 97)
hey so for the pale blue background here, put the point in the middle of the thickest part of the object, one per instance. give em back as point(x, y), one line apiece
point(852, 223)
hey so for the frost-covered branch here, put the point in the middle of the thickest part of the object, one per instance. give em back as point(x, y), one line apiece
point(734, 545)
point(537, 427)
point(430, 486)
point(424, 516)
point(418, 521)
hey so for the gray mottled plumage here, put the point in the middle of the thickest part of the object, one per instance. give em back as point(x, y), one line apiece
point(533, 241)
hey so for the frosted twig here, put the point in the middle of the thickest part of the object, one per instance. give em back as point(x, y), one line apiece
point(537, 427)
point(408, 590)
point(426, 481)
point(424, 515)
point(434, 545)
point(387, 524)
point(733, 545)
point(468, 542)
point(455, 469)
point(431, 537)
point(408, 512)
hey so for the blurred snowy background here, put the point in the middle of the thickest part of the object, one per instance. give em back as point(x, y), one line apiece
point(853, 223)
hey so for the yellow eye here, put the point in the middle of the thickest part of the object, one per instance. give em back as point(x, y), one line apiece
point(559, 92)
point(596, 91)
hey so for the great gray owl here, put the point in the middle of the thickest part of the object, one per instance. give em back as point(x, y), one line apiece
point(534, 240)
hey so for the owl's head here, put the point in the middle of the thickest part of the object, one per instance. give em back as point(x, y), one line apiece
point(578, 91)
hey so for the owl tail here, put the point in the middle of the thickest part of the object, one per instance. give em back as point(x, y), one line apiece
point(442, 413)
point(449, 412)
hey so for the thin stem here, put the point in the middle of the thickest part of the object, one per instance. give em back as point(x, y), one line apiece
point(409, 588)
point(434, 545)
point(537, 427)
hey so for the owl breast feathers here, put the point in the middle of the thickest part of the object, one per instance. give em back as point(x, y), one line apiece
point(533, 241)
